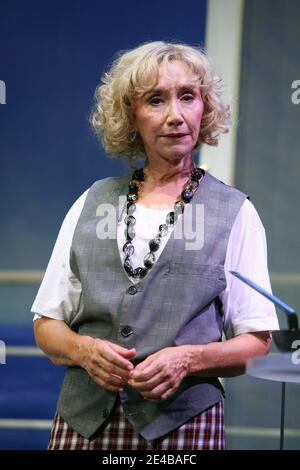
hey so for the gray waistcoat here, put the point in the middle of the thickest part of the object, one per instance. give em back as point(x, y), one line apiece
point(176, 303)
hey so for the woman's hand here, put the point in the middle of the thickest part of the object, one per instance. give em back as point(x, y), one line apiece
point(107, 363)
point(159, 376)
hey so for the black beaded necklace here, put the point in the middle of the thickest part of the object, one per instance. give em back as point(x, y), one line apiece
point(185, 197)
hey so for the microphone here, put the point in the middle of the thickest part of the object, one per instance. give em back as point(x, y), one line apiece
point(285, 340)
point(289, 311)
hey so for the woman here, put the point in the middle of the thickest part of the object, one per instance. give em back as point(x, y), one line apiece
point(139, 320)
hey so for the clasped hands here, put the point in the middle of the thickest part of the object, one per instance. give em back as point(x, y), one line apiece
point(156, 378)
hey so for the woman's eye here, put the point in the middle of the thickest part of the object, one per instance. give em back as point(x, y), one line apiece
point(155, 100)
point(187, 97)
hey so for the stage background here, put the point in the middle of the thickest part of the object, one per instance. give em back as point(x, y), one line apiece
point(267, 168)
point(52, 54)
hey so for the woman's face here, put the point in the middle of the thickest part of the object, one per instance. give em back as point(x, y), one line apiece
point(168, 117)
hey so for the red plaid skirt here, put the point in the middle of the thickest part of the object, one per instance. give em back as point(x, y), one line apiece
point(203, 432)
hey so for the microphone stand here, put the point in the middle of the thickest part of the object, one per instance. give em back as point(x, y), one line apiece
point(283, 339)
point(282, 413)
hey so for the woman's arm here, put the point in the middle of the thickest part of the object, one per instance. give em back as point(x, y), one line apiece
point(108, 364)
point(226, 358)
point(159, 376)
point(59, 342)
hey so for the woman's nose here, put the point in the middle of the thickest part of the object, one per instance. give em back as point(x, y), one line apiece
point(174, 114)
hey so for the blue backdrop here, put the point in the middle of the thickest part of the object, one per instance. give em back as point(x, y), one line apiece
point(52, 54)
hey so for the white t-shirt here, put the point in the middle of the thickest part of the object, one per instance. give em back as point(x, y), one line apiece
point(244, 309)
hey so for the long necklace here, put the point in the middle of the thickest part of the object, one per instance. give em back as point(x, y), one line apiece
point(186, 196)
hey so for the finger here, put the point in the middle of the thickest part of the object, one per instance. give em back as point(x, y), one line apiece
point(146, 373)
point(111, 368)
point(167, 394)
point(112, 388)
point(160, 392)
point(123, 351)
point(147, 384)
point(144, 364)
point(107, 380)
point(116, 358)
point(113, 357)
point(100, 367)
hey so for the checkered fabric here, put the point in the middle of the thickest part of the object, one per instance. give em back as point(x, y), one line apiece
point(203, 432)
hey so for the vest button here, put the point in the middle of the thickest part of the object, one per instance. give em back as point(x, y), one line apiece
point(127, 331)
point(132, 290)
point(105, 413)
point(123, 396)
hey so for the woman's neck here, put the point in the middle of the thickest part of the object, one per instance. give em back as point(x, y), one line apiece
point(164, 184)
point(165, 173)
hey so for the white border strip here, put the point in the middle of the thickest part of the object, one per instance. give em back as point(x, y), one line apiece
point(243, 431)
point(25, 424)
point(230, 430)
point(223, 42)
point(286, 279)
point(24, 351)
point(21, 277)
point(35, 277)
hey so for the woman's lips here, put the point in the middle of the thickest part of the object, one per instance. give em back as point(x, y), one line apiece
point(175, 136)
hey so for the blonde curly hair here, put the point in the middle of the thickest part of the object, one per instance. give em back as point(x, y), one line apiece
point(134, 73)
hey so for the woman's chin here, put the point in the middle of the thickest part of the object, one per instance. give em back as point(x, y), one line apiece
point(178, 154)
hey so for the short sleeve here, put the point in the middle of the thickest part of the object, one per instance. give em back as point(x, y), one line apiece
point(244, 309)
point(59, 293)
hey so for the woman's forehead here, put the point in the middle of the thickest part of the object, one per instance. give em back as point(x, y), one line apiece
point(172, 72)
point(176, 71)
